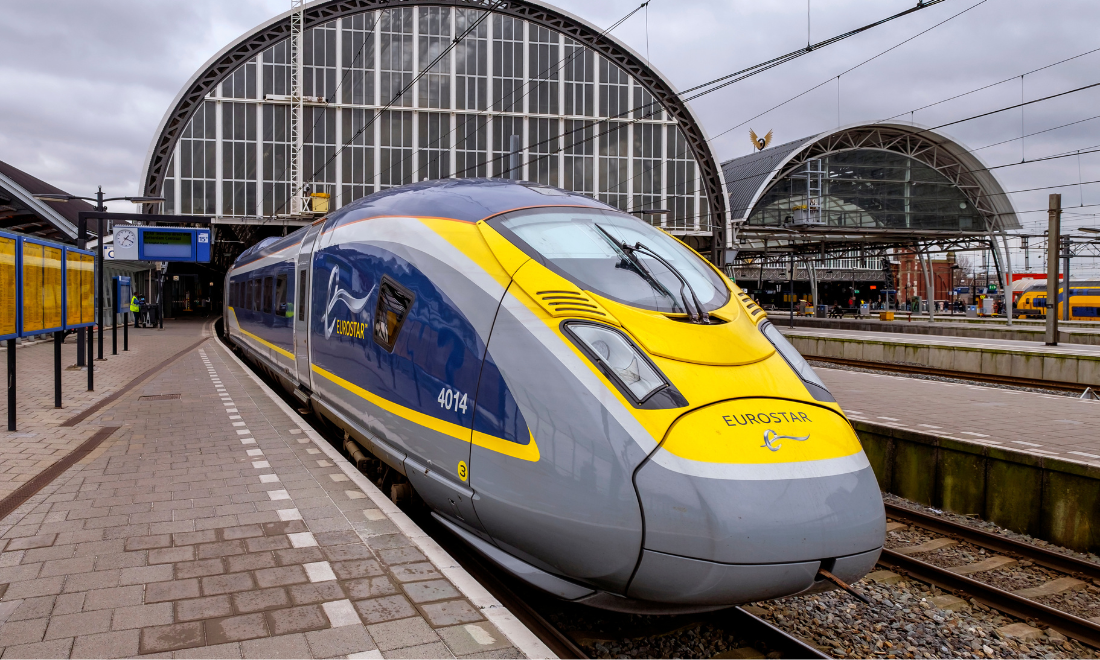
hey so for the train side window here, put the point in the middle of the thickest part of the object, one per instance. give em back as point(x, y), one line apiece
point(247, 294)
point(301, 294)
point(394, 303)
point(267, 294)
point(280, 294)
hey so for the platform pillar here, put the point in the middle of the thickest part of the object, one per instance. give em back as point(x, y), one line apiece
point(1054, 235)
point(11, 384)
point(58, 337)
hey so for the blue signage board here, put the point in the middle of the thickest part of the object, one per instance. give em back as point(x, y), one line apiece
point(962, 290)
point(162, 244)
point(122, 286)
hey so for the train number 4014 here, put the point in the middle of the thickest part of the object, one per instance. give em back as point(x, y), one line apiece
point(452, 400)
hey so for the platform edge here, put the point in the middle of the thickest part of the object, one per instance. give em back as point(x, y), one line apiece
point(518, 634)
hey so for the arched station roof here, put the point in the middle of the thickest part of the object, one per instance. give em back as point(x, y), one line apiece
point(249, 45)
point(750, 177)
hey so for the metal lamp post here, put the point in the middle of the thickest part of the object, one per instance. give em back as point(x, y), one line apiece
point(82, 240)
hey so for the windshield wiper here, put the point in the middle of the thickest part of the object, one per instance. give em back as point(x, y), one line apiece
point(628, 256)
point(698, 315)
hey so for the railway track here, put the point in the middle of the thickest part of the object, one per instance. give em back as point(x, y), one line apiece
point(1081, 629)
point(1037, 383)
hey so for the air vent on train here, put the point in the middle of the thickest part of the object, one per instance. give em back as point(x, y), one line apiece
point(565, 302)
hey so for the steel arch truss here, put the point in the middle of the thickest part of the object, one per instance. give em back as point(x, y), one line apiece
point(323, 12)
point(921, 146)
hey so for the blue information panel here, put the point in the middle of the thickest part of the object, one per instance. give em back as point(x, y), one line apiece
point(122, 286)
point(172, 244)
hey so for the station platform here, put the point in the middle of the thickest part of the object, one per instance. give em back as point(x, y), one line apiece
point(1028, 422)
point(212, 521)
point(1069, 332)
point(1067, 363)
point(1026, 461)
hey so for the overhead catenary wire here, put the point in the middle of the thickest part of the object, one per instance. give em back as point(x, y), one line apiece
point(424, 70)
point(725, 81)
point(1046, 130)
point(990, 85)
point(729, 79)
point(530, 84)
point(831, 78)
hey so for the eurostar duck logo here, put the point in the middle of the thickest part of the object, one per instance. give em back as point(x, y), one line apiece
point(336, 294)
point(771, 439)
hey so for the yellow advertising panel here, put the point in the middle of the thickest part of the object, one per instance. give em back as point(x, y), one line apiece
point(72, 287)
point(79, 278)
point(51, 287)
point(8, 298)
point(32, 287)
point(87, 288)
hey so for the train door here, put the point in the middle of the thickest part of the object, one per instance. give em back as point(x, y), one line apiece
point(302, 307)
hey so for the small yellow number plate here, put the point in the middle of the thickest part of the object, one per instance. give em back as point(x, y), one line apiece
point(462, 473)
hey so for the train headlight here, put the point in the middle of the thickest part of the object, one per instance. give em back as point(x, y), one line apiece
point(619, 358)
point(801, 367)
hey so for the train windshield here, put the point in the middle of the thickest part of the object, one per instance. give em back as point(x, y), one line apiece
point(586, 246)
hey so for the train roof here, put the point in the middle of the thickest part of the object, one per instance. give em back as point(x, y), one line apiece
point(467, 200)
point(1072, 284)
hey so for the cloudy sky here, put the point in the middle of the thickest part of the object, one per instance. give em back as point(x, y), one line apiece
point(87, 81)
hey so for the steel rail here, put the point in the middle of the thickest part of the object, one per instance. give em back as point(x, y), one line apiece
point(1058, 385)
point(998, 599)
point(990, 541)
point(776, 638)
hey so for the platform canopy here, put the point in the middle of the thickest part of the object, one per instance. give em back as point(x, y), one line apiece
point(21, 212)
point(871, 186)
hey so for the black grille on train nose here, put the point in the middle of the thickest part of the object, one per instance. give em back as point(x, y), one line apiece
point(569, 302)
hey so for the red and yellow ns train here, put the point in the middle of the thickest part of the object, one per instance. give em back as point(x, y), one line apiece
point(1084, 301)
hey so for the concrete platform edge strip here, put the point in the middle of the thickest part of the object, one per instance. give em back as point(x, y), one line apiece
point(1067, 466)
point(517, 633)
point(1048, 498)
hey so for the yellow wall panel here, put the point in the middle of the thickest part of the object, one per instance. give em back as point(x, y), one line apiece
point(32, 287)
point(8, 298)
point(87, 288)
point(51, 287)
point(72, 288)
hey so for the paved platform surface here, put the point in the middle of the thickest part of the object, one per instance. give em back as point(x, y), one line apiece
point(928, 340)
point(1042, 424)
point(214, 523)
point(39, 439)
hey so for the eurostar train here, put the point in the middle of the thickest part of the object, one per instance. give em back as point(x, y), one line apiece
point(575, 393)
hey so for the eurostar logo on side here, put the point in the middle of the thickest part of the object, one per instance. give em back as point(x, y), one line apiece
point(771, 438)
point(336, 294)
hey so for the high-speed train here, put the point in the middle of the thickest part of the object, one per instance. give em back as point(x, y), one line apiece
point(574, 392)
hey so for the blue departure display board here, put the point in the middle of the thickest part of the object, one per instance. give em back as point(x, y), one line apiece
point(168, 244)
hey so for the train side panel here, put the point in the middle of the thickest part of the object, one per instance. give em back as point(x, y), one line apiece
point(398, 336)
